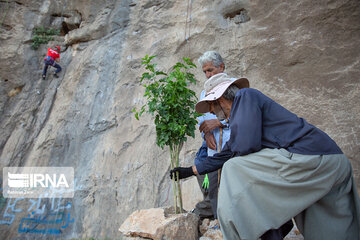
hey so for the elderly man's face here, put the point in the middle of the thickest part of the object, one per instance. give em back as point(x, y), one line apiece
point(210, 70)
point(221, 108)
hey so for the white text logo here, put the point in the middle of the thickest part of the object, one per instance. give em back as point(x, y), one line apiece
point(35, 181)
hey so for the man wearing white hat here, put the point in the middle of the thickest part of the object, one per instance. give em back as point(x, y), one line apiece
point(276, 166)
point(215, 134)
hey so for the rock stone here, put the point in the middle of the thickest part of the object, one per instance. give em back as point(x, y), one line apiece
point(210, 230)
point(204, 226)
point(157, 224)
point(212, 234)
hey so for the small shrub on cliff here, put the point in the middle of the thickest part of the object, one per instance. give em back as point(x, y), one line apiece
point(173, 104)
point(42, 35)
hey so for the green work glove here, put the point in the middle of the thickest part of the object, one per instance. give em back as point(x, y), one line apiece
point(205, 184)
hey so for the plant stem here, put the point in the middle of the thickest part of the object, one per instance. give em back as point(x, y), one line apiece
point(174, 185)
point(178, 149)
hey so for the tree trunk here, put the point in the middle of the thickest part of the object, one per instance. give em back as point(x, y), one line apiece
point(174, 157)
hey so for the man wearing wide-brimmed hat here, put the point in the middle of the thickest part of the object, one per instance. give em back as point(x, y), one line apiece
point(215, 134)
point(276, 166)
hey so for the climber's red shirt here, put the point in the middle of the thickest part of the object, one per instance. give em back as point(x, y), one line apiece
point(53, 53)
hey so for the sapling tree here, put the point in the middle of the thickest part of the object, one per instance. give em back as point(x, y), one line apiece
point(173, 104)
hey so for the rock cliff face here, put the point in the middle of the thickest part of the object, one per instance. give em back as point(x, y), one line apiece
point(303, 54)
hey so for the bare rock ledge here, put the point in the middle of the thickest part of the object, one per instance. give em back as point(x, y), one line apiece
point(160, 223)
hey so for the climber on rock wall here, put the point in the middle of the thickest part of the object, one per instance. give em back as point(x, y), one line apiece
point(52, 59)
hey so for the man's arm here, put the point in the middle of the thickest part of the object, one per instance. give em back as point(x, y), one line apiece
point(215, 162)
point(209, 165)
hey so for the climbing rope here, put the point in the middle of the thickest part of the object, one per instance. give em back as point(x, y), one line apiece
point(62, 13)
point(187, 27)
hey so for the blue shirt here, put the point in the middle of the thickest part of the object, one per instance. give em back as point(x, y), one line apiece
point(258, 122)
point(216, 131)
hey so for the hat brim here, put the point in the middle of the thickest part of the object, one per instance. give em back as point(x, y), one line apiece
point(203, 106)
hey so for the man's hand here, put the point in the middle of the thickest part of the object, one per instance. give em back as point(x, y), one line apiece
point(183, 173)
point(210, 141)
point(209, 125)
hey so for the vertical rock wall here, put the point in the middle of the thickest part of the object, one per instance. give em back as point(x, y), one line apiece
point(305, 55)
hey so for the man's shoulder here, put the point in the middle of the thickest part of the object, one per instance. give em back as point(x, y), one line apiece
point(252, 95)
point(250, 91)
